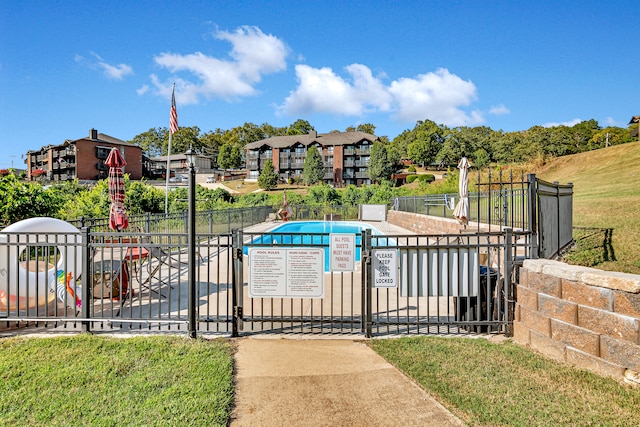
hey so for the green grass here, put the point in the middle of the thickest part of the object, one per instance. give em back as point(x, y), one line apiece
point(487, 383)
point(98, 381)
point(606, 195)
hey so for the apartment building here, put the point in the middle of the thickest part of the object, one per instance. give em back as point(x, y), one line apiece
point(82, 159)
point(345, 156)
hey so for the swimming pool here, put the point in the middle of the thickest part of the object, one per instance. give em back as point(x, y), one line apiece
point(313, 233)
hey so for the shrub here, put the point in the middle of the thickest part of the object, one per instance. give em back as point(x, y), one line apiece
point(411, 169)
point(427, 177)
point(412, 178)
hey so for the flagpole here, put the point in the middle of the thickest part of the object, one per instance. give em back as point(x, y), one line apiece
point(173, 127)
point(167, 174)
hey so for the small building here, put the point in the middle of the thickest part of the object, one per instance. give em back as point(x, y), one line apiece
point(345, 156)
point(634, 131)
point(178, 163)
point(82, 159)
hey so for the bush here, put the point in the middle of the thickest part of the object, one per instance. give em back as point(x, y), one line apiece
point(427, 177)
point(411, 169)
point(421, 178)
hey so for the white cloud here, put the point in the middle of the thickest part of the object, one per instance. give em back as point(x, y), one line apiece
point(499, 110)
point(144, 89)
point(320, 90)
point(610, 121)
point(114, 72)
point(569, 123)
point(437, 96)
point(253, 54)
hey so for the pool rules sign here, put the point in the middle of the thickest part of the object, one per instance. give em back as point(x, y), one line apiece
point(385, 268)
point(286, 272)
point(342, 252)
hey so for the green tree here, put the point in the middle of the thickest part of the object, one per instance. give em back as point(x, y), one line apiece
point(380, 166)
point(153, 142)
point(20, 200)
point(481, 158)
point(322, 194)
point(351, 195)
point(268, 179)
point(230, 156)
point(299, 127)
point(369, 128)
point(313, 170)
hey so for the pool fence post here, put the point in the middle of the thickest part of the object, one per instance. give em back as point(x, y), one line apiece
point(84, 280)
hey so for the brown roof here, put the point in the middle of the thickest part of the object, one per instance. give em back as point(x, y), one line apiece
point(325, 139)
point(106, 139)
point(634, 119)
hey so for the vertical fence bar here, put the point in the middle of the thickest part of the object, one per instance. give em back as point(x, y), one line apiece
point(236, 282)
point(532, 212)
point(365, 260)
point(191, 295)
point(85, 283)
point(508, 275)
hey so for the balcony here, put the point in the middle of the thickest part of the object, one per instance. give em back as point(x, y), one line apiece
point(349, 163)
point(362, 175)
point(349, 152)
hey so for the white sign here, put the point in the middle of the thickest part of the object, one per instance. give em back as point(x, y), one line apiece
point(286, 273)
point(385, 268)
point(343, 252)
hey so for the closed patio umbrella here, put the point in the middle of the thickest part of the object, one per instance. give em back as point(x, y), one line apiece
point(285, 206)
point(461, 212)
point(117, 215)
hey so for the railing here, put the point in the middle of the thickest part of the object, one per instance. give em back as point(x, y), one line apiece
point(211, 221)
point(530, 204)
point(138, 280)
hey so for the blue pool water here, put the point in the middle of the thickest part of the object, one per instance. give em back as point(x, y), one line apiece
point(313, 233)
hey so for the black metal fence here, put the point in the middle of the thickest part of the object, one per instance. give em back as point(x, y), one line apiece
point(210, 221)
point(521, 203)
point(96, 281)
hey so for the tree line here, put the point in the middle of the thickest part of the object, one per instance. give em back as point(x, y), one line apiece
point(427, 143)
point(70, 200)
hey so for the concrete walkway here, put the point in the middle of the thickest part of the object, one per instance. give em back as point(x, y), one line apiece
point(326, 382)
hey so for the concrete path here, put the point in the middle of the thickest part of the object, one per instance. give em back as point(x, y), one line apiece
point(326, 382)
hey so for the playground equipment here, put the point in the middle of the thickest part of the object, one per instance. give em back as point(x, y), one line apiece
point(39, 259)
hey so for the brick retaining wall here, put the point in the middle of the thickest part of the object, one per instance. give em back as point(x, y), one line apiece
point(586, 317)
point(426, 224)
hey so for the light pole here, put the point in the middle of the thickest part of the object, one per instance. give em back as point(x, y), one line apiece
point(191, 157)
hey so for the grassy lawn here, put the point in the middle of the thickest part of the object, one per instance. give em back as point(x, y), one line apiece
point(487, 383)
point(98, 381)
point(606, 195)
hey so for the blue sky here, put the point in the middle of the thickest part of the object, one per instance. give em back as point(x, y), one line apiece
point(69, 66)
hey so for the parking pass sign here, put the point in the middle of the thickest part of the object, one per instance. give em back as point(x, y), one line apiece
point(343, 252)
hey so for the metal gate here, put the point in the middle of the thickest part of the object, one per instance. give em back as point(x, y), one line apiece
point(428, 284)
point(399, 284)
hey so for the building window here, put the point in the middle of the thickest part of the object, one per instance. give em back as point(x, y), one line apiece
point(102, 152)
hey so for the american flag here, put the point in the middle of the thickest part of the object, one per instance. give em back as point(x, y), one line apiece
point(174, 113)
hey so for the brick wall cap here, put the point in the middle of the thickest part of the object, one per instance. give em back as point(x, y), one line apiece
point(589, 276)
